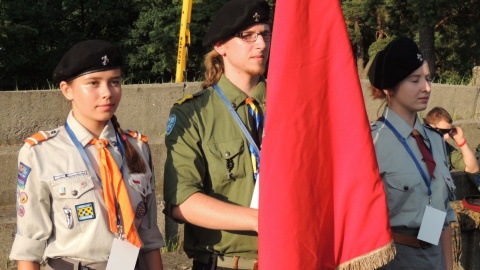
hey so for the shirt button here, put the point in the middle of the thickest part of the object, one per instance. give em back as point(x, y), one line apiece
point(227, 154)
point(405, 187)
point(74, 192)
point(233, 105)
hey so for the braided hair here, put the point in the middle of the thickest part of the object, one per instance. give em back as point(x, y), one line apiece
point(134, 160)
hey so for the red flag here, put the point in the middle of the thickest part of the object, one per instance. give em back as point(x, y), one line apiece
point(322, 202)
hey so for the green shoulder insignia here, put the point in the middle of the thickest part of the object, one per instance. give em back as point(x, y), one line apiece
point(188, 97)
point(185, 98)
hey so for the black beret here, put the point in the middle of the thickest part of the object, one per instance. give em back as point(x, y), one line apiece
point(235, 16)
point(390, 66)
point(87, 57)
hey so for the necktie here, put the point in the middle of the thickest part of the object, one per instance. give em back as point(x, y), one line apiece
point(114, 189)
point(427, 156)
point(254, 121)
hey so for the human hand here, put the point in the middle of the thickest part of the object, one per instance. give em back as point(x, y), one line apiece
point(457, 135)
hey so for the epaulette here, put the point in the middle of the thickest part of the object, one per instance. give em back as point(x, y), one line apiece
point(40, 137)
point(137, 135)
point(188, 97)
point(185, 98)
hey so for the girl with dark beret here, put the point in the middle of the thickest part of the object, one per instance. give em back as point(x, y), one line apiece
point(412, 160)
point(87, 189)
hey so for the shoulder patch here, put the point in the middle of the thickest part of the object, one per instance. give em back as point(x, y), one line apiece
point(171, 123)
point(23, 172)
point(40, 137)
point(137, 135)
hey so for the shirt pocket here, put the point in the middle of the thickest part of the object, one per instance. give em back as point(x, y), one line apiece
point(74, 199)
point(403, 193)
point(228, 162)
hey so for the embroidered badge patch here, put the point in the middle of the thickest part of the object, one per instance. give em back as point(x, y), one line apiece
point(171, 123)
point(85, 211)
point(141, 210)
point(23, 172)
point(23, 197)
point(20, 211)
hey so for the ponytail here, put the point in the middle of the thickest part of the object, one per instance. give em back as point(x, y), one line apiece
point(134, 160)
point(214, 68)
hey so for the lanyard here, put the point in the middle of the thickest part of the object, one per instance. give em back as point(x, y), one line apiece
point(409, 150)
point(82, 152)
point(239, 121)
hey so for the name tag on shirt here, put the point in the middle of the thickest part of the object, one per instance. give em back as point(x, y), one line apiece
point(432, 225)
point(123, 255)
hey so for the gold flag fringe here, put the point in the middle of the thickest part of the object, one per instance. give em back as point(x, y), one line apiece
point(372, 260)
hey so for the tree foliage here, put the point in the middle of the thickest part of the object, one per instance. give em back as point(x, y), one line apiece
point(448, 32)
point(35, 34)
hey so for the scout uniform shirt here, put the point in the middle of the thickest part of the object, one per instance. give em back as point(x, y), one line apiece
point(407, 193)
point(207, 152)
point(60, 206)
point(456, 162)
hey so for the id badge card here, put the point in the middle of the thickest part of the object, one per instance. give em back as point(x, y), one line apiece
point(255, 196)
point(123, 255)
point(432, 224)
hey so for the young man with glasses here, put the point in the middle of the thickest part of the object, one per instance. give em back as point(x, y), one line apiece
point(461, 159)
point(213, 140)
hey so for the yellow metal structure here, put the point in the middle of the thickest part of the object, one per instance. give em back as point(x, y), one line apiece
point(183, 40)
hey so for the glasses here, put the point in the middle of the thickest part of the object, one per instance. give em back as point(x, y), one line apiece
point(444, 131)
point(252, 36)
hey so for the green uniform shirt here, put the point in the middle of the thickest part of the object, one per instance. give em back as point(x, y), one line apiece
point(456, 162)
point(203, 140)
point(455, 158)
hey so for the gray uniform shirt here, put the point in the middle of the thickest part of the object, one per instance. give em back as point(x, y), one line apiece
point(407, 193)
point(56, 188)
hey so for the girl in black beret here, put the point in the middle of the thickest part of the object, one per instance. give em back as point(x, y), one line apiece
point(86, 190)
point(412, 160)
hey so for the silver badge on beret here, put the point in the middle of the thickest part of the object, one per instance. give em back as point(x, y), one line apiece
point(256, 17)
point(105, 60)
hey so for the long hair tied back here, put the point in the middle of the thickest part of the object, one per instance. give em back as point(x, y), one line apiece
point(135, 162)
point(213, 68)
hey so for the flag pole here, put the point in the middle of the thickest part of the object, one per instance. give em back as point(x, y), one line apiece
point(183, 41)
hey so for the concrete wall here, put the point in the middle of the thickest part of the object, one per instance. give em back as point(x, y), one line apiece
point(146, 108)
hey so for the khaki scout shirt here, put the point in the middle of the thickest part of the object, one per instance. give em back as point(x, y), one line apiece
point(203, 136)
point(407, 193)
point(54, 180)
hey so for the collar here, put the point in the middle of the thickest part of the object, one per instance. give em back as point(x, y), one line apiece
point(237, 97)
point(84, 136)
point(402, 127)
